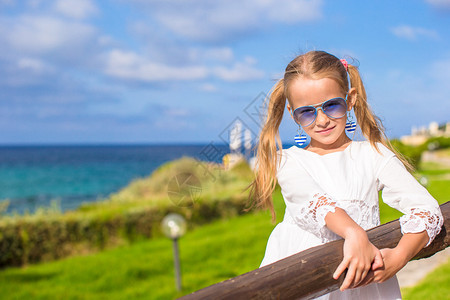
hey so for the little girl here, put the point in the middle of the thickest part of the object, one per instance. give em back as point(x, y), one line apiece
point(331, 187)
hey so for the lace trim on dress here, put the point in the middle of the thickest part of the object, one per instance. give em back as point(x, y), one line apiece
point(311, 215)
point(320, 207)
point(419, 220)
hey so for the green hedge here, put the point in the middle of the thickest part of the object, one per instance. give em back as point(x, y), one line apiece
point(414, 153)
point(25, 240)
point(133, 213)
point(439, 142)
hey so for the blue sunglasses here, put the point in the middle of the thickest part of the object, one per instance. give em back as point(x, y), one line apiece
point(334, 108)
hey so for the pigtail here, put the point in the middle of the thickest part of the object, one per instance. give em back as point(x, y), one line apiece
point(264, 184)
point(313, 65)
point(370, 124)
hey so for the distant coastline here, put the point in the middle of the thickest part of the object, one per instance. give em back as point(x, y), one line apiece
point(33, 175)
point(31, 145)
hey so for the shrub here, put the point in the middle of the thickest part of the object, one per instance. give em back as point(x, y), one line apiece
point(412, 153)
point(439, 142)
point(127, 216)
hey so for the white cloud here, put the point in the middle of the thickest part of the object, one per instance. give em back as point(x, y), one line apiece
point(6, 2)
point(77, 9)
point(240, 71)
point(106, 40)
point(414, 33)
point(419, 94)
point(34, 3)
point(172, 119)
point(207, 87)
point(218, 54)
point(132, 66)
point(129, 65)
point(177, 112)
point(440, 71)
point(445, 4)
point(207, 20)
point(23, 73)
point(292, 11)
point(32, 64)
point(40, 34)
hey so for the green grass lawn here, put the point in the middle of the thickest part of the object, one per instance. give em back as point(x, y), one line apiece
point(144, 270)
point(209, 254)
point(436, 285)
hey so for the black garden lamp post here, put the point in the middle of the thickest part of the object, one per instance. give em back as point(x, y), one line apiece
point(174, 226)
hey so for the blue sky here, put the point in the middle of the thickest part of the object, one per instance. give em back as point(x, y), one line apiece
point(179, 71)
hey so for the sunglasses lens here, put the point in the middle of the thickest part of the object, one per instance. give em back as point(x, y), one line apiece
point(305, 115)
point(335, 108)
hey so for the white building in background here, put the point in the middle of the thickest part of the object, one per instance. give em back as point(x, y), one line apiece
point(247, 142)
point(419, 135)
point(235, 155)
point(239, 139)
point(236, 137)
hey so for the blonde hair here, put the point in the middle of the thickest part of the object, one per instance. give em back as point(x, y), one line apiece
point(311, 65)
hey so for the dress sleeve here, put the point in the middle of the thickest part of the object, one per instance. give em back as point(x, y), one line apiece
point(402, 192)
point(306, 203)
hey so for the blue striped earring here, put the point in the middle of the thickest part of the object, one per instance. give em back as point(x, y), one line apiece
point(300, 138)
point(350, 126)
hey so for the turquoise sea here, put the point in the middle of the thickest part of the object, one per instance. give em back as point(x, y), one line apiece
point(33, 176)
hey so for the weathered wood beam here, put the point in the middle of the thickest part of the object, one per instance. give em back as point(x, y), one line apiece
point(308, 274)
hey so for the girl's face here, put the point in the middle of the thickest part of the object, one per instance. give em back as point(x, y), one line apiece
point(325, 132)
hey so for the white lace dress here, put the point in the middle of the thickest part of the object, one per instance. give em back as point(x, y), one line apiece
point(313, 185)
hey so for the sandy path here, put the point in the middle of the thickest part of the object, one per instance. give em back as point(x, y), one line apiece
point(431, 156)
point(416, 270)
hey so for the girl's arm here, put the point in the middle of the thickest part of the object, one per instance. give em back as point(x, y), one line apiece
point(422, 219)
point(313, 211)
point(411, 243)
point(396, 258)
point(359, 253)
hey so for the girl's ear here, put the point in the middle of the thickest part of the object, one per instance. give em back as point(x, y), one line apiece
point(351, 98)
point(290, 111)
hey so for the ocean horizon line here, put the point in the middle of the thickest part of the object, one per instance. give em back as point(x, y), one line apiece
point(107, 144)
point(164, 144)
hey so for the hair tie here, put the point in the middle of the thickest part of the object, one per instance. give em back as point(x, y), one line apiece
point(345, 63)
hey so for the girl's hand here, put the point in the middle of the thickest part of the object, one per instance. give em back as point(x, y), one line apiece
point(393, 262)
point(360, 256)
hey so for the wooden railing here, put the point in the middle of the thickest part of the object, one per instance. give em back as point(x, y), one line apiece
point(308, 274)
